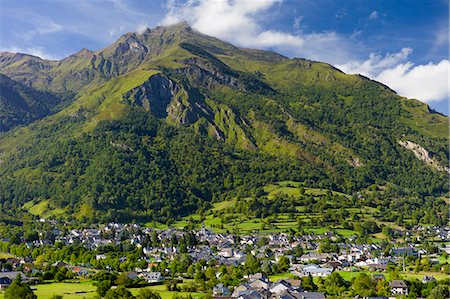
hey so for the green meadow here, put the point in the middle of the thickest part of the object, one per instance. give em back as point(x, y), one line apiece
point(220, 217)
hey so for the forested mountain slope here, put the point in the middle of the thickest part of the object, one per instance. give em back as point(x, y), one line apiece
point(164, 122)
point(21, 104)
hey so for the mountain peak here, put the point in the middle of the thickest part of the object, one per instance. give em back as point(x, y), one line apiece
point(181, 26)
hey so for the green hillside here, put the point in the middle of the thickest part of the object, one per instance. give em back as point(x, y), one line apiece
point(21, 104)
point(165, 123)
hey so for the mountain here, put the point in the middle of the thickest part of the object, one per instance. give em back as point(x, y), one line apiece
point(161, 124)
point(21, 104)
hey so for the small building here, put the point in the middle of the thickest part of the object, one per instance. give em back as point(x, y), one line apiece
point(398, 287)
point(13, 274)
point(378, 277)
point(296, 284)
point(311, 295)
point(154, 277)
point(259, 284)
point(100, 257)
point(221, 290)
point(132, 275)
point(280, 287)
point(5, 282)
point(82, 272)
point(427, 279)
point(59, 264)
point(312, 256)
point(239, 290)
point(316, 270)
point(261, 276)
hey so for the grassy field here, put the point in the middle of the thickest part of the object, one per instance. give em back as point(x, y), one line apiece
point(245, 224)
point(161, 289)
point(87, 290)
point(276, 277)
point(5, 255)
point(68, 290)
point(347, 275)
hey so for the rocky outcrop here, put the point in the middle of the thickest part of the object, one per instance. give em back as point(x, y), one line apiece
point(423, 155)
point(155, 95)
point(182, 105)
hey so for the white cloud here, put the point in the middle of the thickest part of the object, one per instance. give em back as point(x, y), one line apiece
point(297, 22)
point(237, 21)
point(35, 51)
point(141, 28)
point(42, 26)
point(374, 15)
point(376, 63)
point(427, 83)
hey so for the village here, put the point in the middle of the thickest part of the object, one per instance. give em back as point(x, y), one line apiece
point(284, 262)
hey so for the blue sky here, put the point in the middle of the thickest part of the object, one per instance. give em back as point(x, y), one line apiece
point(402, 43)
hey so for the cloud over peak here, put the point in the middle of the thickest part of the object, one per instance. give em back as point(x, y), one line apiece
point(429, 82)
point(239, 22)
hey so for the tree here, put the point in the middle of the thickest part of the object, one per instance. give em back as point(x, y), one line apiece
point(252, 264)
point(148, 294)
point(119, 293)
point(364, 285)
point(308, 283)
point(283, 264)
point(439, 292)
point(335, 284)
point(59, 276)
point(123, 279)
point(19, 290)
point(103, 287)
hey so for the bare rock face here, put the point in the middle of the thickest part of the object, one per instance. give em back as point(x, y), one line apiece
point(423, 155)
point(155, 95)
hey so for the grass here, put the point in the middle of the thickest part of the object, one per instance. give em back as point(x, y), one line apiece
point(240, 223)
point(427, 123)
point(443, 260)
point(5, 255)
point(276, 277)
point(39, 208)
point(348, 275)
point(87, 290)
point(68, 290)
point(165, 294)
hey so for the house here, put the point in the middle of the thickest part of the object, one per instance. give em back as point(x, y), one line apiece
point(312, 256)
point(333, 264)
point(132, 275)
point(221, 290)
point(251, 294)
point(404, 251)
point(13, 274)
point(82, 272)
point(398, 287)
point(100, 257)
point(315, 270)
point(154, 277)
point(284, 295)
point(226, 252)
point(377, 277)
point(296, 284)
point(4, 282)
point(261, 276)
point(59, 264)
point(259, 284)
point(280, 287)
point(311, 295)
point(427, 279)
point(239, 290)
